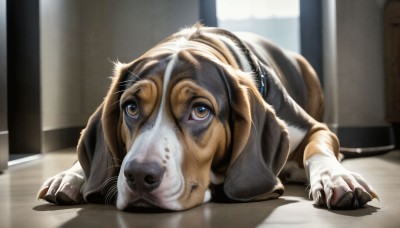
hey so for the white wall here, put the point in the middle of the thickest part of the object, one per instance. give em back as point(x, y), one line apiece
point(80, 39)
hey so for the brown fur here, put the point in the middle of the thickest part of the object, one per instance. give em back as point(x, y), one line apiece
point(245, 142)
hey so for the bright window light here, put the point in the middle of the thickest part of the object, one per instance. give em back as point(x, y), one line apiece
point(277, 20)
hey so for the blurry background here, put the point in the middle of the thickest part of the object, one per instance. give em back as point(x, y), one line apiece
point(56, 60)
point(279, 21)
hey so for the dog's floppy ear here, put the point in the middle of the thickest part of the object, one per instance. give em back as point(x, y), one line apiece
point(95, 158)
point(260, 145)
point(101, 147)
point(112, 118)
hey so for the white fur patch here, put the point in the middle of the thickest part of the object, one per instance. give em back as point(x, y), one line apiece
point(296, 135)
point(167, 77)
point(207, 196)
point(244, 62)
point(159, 144)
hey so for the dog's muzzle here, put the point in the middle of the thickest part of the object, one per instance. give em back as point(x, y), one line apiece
point(150, 175)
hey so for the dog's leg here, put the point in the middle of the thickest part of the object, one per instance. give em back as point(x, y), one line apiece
point(293, 173)
point(65, 187)
point(330, 183)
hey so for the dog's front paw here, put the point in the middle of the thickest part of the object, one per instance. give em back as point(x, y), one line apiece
point(340, 189)
point(64, 188)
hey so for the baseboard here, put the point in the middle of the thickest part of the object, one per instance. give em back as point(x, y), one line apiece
point(61, 138)
point(396, 130)
point(4, 150)
point(361, 141)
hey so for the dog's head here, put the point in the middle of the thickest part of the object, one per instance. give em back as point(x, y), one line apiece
point(177, 121)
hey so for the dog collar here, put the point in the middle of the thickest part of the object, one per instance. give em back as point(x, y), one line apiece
point(259, 72)
point(256, 66)
point(262, 80)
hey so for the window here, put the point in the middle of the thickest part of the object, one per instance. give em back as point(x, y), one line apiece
point(277, 20)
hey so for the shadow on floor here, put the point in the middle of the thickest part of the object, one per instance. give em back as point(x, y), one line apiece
point(365, 211)
point(206, 215)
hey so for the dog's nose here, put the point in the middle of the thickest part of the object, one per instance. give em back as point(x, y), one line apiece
point(143, 176)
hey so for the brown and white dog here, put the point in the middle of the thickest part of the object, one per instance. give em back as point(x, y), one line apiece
point(208, 113)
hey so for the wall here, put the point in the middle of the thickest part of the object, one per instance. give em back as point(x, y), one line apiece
point(353, 70)
point(123, 30)
point(360, 63)
point(81, 39)
point(61, 63)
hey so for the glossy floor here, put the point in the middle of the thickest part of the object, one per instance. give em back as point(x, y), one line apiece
point(19, 207)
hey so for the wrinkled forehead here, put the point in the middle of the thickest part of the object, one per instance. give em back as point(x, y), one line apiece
point(168, 70)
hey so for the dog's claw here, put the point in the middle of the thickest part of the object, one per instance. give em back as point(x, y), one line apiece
point(319, 198)
point(374, 195)
point(329, 198)
point(341, 192)
point(347, 201)
point(50, 198)
point(64, 188)
point(42, 192)
point(64, 199)
point(59, 197)
point(363, 197)
point(353, 200)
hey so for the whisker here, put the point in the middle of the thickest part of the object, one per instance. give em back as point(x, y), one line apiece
point(117, 102)
point(109, 189)
point(110, 181)
point(117, 159)
point(129, 80)
point(120, 91)
point(114, 166)
point(111, 195)
point(137, 76)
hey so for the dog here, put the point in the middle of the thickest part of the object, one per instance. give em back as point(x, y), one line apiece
point(208, 114)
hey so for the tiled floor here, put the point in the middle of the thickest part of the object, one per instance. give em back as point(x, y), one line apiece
point(19, 207)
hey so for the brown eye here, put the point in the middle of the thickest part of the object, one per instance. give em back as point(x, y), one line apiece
point(132, 110)
point(200, 112)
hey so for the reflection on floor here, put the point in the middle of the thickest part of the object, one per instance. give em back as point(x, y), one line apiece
point(14, 157)
point(19, 207)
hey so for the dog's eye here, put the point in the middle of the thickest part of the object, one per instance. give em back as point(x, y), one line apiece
point(200, 112)
point(132, 109)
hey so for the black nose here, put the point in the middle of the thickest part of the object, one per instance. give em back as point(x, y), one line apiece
point(145, 176)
